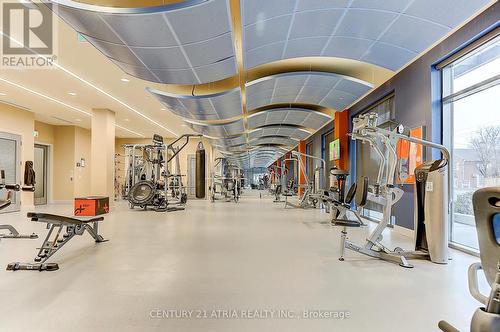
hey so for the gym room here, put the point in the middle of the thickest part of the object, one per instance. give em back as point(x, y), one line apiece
point(250, 165)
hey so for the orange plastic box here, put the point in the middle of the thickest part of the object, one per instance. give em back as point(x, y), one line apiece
point(91, 206)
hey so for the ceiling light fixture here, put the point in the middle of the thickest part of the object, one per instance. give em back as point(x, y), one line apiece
point(72, 93)
point(130, 131)
point(125, 80)
point(62, 103)
point(44, 96)
point(69, 72)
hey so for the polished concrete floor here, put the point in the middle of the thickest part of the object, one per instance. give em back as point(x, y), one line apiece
point(262, 264)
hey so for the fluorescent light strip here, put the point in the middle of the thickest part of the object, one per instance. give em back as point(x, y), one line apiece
point(45, 96)
point(60, 102)
point(67, 71)
point(130, 131)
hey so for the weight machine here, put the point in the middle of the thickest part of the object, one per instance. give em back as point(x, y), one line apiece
point(226, 181)
point(4, 203)
point(154, 175)
point(433, 204)
point(312, 192)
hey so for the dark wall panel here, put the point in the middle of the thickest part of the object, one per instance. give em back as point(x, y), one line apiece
point(417, 100)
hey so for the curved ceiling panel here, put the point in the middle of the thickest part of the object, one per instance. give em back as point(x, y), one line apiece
point(186, 43)
point(219, 130)
point(277, 130)
point(318, 88)
point(294, 116)
point(218, 106)
point(275, 140)
point(230, 142)
point(387, 33)
point(258, 157)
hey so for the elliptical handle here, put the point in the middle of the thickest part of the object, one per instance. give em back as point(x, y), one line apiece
point(473, 284)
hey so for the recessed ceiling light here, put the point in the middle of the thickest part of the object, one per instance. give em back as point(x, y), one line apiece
point(72, 93)
point(163, 109)
point(125, 80)
point(78, 120)
point(69, 72)
point(126, 120)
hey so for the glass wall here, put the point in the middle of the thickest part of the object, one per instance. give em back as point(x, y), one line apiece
point(471, 113)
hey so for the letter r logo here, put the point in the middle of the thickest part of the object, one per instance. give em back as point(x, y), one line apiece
point(26, 29)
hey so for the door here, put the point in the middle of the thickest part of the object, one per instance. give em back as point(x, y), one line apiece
point(191, 189)
point(10, 159)
point(40, 165)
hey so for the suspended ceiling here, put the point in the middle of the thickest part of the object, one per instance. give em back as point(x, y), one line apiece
point(254, 76)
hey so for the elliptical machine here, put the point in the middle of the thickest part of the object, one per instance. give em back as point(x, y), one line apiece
point(486, 204)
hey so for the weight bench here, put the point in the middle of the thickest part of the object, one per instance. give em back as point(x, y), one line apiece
point(55, 240)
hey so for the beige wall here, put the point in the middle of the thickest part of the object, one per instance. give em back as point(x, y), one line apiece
point(71, 144)
point(82, 150)
point(17, 121)
point(64, 146)
point(45, 133)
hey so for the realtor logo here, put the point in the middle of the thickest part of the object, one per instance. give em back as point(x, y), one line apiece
point(28, 35)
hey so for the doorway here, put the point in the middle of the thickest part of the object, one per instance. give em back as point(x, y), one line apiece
point(191, 185)
point(10, 159)
point(40, 165)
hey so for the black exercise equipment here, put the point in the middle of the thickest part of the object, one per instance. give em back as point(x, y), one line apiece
point(13, 233)
point(200, 171)
point(61, 230)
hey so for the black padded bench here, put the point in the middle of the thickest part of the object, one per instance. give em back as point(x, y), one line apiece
point(56, 238)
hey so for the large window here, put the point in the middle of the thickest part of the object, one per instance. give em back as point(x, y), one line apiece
point(471, 127)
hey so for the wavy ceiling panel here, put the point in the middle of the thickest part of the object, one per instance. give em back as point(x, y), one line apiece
point(317, 88)
point(258, 157)
point(277, 130)
point(219, 130)
point(186, 43)
point(218, 106)
point(293, 116)
point(230, 142)
point(275, 140)
point(387, 33)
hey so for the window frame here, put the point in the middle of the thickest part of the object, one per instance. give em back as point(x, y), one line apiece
point(447, 111)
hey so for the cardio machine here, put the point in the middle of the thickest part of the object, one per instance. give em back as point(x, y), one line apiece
point(486, 204)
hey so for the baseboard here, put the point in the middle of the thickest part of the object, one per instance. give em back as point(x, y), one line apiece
point(27, 208)
point(61, 202)
point(404, 231)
